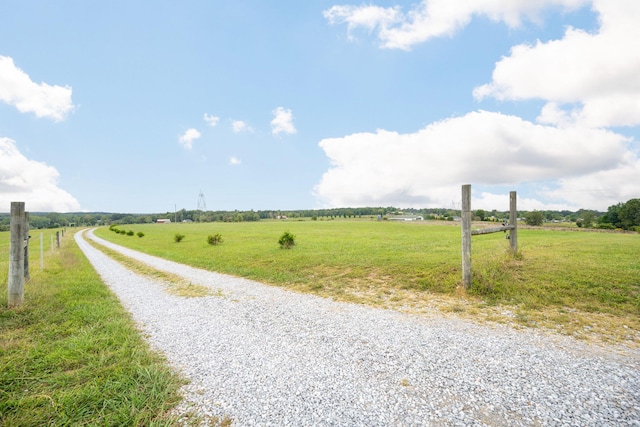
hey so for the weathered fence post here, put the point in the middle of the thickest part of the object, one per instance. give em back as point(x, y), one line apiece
point(466, 236)
point(513, 221)
point(27, 273)
point(58, 239)
point(16, 255)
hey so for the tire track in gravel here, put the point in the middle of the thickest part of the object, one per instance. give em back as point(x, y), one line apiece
point(267, 356)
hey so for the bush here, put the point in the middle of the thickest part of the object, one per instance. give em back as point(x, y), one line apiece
point(214, 239)
point(287, 240)
point(534, 218)
point(130, 233)
point(121, 232)
point(606, 226)
point(140, 234)
point(178, 237)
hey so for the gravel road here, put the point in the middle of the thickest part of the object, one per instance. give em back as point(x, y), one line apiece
point(265, 356)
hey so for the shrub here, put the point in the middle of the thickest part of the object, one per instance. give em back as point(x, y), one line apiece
point(178, 237)
point(606, 226)
point(140, 234)
point(214, 239)
point(121, 232)
point(287, 240)
point(130, 233)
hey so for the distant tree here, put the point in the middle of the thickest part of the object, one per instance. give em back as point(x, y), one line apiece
point(629, 214)
point(587, 219)
point(39, 221)
point(623, 215)
point(535, 218)
point(481, 214)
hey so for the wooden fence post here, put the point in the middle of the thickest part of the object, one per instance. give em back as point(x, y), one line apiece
point(466, 236)
point(58, 239)
point(16, 255)
point(27, 273)
point(513, 221)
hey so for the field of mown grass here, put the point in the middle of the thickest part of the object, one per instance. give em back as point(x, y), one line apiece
point(71, 355)
point(585, 284)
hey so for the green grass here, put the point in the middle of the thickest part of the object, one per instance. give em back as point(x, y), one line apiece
point(566, 278)
point(71, 355)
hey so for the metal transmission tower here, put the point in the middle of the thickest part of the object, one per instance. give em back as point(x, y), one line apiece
point(202, 205)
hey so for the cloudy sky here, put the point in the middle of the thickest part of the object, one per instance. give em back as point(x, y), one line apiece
point(139, 106)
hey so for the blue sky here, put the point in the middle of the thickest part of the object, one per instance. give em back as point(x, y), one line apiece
point(139, 106)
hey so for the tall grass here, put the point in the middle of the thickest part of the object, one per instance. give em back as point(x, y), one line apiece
point(71, 355)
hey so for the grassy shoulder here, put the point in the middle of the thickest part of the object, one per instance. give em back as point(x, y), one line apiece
point(71, 355)
point(173, 284)
point(577, 283)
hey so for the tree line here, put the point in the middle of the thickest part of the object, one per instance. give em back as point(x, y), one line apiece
point(623, 215)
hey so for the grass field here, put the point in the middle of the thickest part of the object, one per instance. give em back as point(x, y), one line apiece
point(582, 283)
point(71, 355)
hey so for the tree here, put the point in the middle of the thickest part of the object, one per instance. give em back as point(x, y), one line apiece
point(629, 214)
point(481, 214)
point(534, 218)
point(587, 219)
point(623, 215)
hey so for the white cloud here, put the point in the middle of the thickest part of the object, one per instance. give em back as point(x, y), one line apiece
point(32, 182)
point(588, 79)
point(370, 17)
point(240, 126)
point(234, 161)
point(186, 140)
point(282, 121)
point(437, 18)
point(211, 120)
point(426, 168)
point(44, 100)
point(602, 188)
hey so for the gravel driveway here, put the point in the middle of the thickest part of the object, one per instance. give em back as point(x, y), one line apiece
point(266, 356)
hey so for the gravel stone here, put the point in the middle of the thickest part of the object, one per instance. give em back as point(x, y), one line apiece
point(263, 355)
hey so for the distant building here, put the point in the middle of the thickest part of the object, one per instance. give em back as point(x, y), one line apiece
point(406, 218)
point(163, 221)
